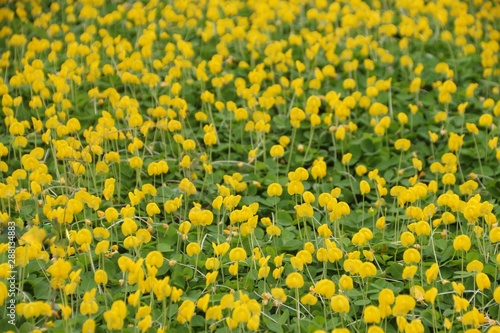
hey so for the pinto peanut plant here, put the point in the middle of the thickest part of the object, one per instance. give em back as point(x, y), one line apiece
point(250, 166)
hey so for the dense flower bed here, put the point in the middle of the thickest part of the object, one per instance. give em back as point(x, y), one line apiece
point(270, 166)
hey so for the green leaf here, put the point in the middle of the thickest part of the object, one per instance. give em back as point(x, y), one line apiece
point(472, 255)
point(395, 271)
point(284, 218)
point(362, 302)
point(430, 317)
point(463, 274)
point(272, 326)
point(41, 290)
point(178, 278)
point(164, 247)
point(285, 316)
point(198, 321)
point(489, 269)
point(292, 245)
point(369, 146)
point(26, 327)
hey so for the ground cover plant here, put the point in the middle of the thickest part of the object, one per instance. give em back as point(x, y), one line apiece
point(250, 166)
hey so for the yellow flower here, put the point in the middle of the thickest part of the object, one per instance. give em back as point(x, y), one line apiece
point(402, 144)
point(375, 329)
point(407, 239)
point(324, 231)
point(115, 316)
point(202, 302)
point(381, 223)
point(145, 323)
point(157, 168)
point(371, 314)
point(185, 162)
point(88, 326)
point(318, 169)
point(89, 304)
point(325, 287)
point(472, 128)
point(193, 249)
point(135, 162)
point(211, 277)
point(349, 84)
point(455, 141)
point(274, 189)
point(486, 120)
point(346, 283)
point(212, 263)
point(364, 187)
point(253, 323)
point(402, 118)
point(187, 187)
point(459, 288)
point(483, 281)
point(340, 133)
point(462, 242)
point(237, 254)
point(447, 324)
point(433, 136)
point(295, 187)
point(133, 298)
point(378, 109)
point(386, 296)
point(84, 236)
point(409, 272)
point(496, 295)
point(411, 256)
point(188, 144)
point(233, 269)
point(430, 295)
point(495, 235)
point(403, 305)
point(200, 217)
point(175, 294)
point(309, 299)
point(367, 269)
point(101, 277)
point(16, 128)
point(154, 258)
point(432, 273)
point(294, 280)
point(185, 312)
point(346, 158)
point(214, 313)
point(128, 226)
point(460, 304)
point(3, 292)
point(308, 197)
point(60, 269)
point(304, 210)
point(475, 266)
point(340, 304)
point(173, 205)
point(473, 318)
point(241, 314)
point(221, 249)
point(152, 209)
point(277, 151)
point(361, 170)
point(279, 294)
point(273, 230)
point(306, 255)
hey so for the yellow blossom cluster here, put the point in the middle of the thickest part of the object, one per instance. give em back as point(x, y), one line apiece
point(230, 165)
